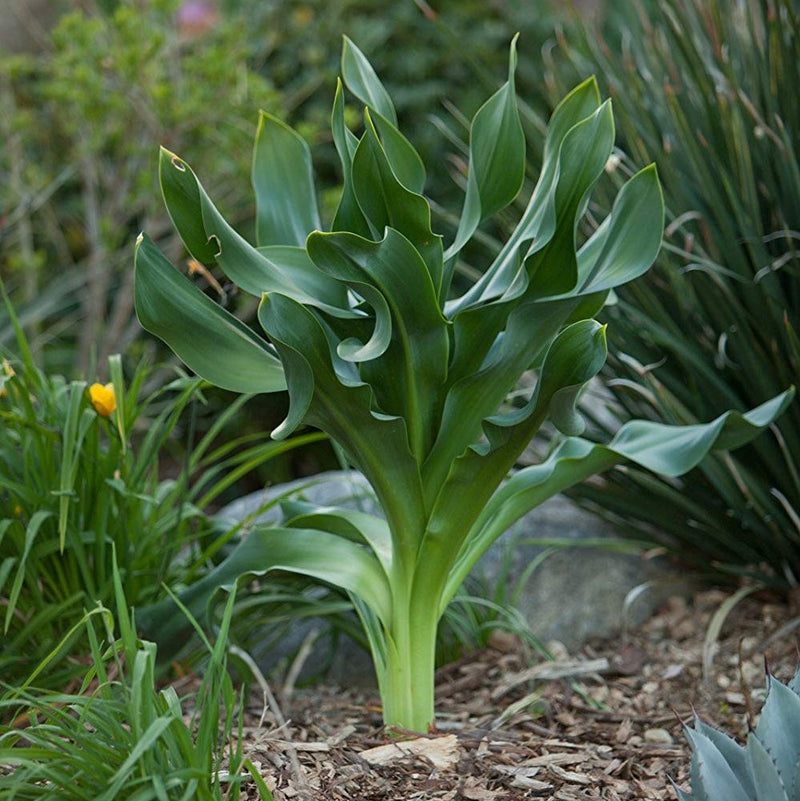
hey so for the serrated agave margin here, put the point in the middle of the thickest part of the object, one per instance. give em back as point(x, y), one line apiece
point(766, 768)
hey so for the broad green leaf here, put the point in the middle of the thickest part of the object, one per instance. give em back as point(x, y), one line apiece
point(350, 524)
point(404, 159)
point(670, 450)
point(271, 269)
point(286, 202)
point(293, 273)
point(353, 348)
point(198, 330)
point(497, 146)
point(553, 266)
point(674, 450)
point(182, 198)
point(348, 215)
point(580, 103)
point(574, 357)
point(361, 80)
point(386, 203)
point(413, 371)
point(627, 243)
point(538, 222)
point(480, 390)
point(317, 554)
point(496, 159)
point(343, 410)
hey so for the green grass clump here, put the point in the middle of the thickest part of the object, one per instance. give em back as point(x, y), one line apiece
point(79, 482)
point(119, 737)
point(708, 91)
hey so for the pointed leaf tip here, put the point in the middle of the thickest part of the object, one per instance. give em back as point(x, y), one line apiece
point(362, 80)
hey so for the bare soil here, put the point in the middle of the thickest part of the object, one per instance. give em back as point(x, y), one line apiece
point(604, 723)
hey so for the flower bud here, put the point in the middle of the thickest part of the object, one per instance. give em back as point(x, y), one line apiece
point(102, 398)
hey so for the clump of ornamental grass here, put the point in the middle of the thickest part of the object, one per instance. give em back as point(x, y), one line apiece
point(410, 378)
point(82, 475)
point(707, 89)
point(118, 736)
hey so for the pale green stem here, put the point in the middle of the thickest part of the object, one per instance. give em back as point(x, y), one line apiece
point(408, 684)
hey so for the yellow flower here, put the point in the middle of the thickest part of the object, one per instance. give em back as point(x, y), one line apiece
point(8, 370)
point(102, 398)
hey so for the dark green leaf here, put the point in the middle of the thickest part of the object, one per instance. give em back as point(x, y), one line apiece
point(627, 243)
point(310, 552)
point(361, 80)
point(348, 214)
point(286, 203)
point(414, 370)
point(386, 203)
point(198, 330)
point(496, 159)
point(282, 268)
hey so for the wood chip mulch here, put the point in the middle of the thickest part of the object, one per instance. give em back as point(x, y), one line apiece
point(604, 723)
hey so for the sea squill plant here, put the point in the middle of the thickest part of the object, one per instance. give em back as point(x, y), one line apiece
point(362, 326)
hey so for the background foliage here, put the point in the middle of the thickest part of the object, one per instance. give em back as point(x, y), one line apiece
point(707, 90)
point(80, 127)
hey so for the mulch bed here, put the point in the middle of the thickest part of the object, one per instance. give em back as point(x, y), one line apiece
point(604, 723)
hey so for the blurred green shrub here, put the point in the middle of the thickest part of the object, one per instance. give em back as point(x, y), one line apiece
point(708, 90)
point(80, 126)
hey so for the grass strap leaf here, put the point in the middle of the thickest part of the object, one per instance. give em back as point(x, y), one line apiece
point(310, 552)
point(144, 743)
point(78, 421)
point(31, 532)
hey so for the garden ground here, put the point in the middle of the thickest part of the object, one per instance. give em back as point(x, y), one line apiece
point(506, 733)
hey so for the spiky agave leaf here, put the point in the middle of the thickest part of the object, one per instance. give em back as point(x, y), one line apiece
point(766, 769)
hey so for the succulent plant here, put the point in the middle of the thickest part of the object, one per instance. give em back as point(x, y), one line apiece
point(767, 768)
